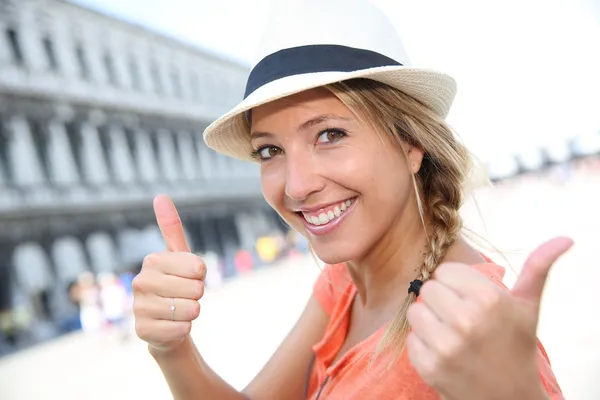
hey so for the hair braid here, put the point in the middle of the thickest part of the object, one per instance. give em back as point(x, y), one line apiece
point(442, 201)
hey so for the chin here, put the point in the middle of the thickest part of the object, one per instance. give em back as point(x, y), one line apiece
point(332, 253)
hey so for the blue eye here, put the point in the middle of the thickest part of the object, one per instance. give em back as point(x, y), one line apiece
point(330, 135)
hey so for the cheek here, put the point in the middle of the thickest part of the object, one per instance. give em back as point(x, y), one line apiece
point(272, 179)
point(273, 188)
point(388, 181)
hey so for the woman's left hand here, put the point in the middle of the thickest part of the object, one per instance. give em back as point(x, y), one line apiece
point(472, 339)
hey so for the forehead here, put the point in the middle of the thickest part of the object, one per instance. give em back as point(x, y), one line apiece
point(300, 105)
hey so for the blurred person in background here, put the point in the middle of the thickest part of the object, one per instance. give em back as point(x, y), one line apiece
point(114, 302)
point(74, 322)
point(266, 248)
point(126, 280)
point(90, 310)
point(355, 155)
point(243, 261)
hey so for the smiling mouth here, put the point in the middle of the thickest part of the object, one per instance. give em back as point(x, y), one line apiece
point(328, 214)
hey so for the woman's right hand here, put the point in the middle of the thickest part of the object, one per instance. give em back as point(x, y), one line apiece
point(171, 278)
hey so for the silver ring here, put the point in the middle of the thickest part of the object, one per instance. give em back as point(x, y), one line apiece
point(172, 308)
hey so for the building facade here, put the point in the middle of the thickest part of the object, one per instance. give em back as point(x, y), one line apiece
point(97, 116)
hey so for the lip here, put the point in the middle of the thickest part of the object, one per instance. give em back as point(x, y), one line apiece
point(320, 207)
point(322, 230)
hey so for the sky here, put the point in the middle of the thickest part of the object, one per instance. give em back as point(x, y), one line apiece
point(527, 71)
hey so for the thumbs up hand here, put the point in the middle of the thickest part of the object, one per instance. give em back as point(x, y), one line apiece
point(472, 339)
point(167, 290)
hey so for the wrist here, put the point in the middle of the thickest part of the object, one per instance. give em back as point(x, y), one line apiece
point(174, 351)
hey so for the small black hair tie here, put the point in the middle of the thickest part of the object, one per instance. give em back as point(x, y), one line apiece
point(415, 287)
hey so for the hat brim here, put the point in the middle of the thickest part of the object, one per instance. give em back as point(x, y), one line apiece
point(228, 134)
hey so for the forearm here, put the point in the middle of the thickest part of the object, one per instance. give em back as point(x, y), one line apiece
point(190, 377)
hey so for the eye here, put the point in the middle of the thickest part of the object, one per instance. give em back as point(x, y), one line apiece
point(330, 135)
point(266, 152)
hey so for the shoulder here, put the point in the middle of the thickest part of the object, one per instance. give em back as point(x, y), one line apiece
point(491, 270)
point(333, 282)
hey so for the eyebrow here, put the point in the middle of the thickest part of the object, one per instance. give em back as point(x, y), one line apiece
point(305, 125)
point(320, 119)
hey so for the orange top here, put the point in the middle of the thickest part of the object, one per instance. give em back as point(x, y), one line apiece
point(349, 378)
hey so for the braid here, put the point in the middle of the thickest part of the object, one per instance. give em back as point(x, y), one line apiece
point(443, 200)
point(442, 203)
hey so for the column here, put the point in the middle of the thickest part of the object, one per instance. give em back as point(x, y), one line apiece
point(121, 158)
point(3, 178)
point(5, 56)
point(64, 45)
point(147, 163)
point(25, 163)
point(102, 252)
point(94, 167)
point(9, 199)
point(168, 158)
point(30, 40)
point(63, 168)
point(187, 156)
point(70, 263)
point(205, 157)
point(69, 259)
point(33, 274)
point(32, 267)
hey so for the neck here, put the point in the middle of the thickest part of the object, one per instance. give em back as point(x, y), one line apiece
point(388, 267)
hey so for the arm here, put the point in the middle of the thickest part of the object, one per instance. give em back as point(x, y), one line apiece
point(283, 375)
point(190, 377)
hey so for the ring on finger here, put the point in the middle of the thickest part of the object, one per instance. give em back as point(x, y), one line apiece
point(172, 308)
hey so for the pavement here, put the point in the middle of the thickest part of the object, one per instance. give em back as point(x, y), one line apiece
point(242, 323)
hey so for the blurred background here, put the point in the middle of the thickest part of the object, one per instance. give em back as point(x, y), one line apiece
point(102, 106)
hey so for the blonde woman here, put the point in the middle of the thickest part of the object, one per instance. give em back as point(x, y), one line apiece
point(355, 155)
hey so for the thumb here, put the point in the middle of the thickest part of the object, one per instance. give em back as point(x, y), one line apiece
point(532, 279)
point(170, 224)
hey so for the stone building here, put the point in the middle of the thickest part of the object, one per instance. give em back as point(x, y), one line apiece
point(96, 117)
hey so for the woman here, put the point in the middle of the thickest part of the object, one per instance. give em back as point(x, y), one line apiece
point(356, 156)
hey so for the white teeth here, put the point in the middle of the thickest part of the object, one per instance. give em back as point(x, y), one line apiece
point(323, 219)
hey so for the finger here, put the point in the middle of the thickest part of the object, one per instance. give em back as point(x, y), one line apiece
point(462, 279)
point(532, 279)
point(159, 308)
point(168, 286)
point(421, 358)
point(432, 332)
point(181, 264)
point(169, 223)
point(441, 300)
point(162, 331)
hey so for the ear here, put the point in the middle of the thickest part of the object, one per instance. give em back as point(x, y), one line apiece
point(414, 155)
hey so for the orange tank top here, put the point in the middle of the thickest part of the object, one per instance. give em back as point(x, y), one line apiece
point(349, 378)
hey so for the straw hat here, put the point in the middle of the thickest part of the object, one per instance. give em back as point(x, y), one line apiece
point(311, 43)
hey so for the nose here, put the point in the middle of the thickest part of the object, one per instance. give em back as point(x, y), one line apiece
point(302, 177)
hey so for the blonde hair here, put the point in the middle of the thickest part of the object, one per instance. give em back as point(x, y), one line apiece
point(438, 184)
